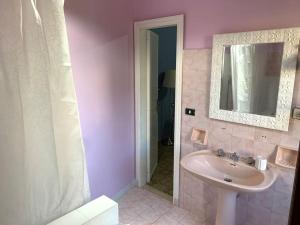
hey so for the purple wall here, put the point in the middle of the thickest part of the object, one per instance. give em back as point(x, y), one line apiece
point(100, 37)
point(207, 17)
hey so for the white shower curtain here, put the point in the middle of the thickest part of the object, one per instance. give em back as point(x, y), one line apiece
point(242, 60)
point(42, 161)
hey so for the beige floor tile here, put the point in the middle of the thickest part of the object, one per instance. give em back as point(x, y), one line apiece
point(142, 207)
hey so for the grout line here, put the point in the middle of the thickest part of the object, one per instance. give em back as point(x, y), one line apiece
point(161, 216)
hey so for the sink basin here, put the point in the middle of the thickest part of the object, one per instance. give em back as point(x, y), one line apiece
point(226, 174)
point(229, 177)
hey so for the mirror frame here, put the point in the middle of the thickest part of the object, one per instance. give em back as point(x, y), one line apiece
point(290, 37)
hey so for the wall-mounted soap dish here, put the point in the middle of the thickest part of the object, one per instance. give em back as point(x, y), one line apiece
point(199, 136)
point(286, 157)
point(296, 113)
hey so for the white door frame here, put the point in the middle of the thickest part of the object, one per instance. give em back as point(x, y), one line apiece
point(141, 155)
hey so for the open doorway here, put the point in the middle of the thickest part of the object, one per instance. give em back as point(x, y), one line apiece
point(158, 77)
point(162, 44)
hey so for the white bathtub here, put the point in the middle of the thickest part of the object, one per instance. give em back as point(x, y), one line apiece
point(101, 211)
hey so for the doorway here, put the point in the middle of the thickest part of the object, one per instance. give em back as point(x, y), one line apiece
point(162, 63)
point(158, 102)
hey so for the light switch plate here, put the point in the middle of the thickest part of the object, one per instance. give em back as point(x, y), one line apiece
point(190, 112)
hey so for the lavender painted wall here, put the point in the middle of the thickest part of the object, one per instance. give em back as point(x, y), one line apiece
point(207, 17)
point(100, 36)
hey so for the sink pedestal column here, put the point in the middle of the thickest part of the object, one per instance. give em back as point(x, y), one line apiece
point(226, 207)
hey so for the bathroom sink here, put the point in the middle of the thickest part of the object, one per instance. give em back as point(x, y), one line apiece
point(224, 173)
point(229, 177)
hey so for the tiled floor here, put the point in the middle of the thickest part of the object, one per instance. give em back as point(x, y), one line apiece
point(162, 178)
point(142, 207)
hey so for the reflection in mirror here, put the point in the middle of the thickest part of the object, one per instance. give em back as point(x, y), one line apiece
point(250, 78)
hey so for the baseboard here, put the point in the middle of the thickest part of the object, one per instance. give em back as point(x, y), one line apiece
point(120, 194)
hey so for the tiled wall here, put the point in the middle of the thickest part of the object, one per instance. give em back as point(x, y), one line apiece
point(270, 207)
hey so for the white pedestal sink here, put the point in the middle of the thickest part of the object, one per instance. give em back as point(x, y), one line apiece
point(226, 207)
point(230, 178)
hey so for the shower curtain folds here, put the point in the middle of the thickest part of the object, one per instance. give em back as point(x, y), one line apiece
point(42, 159)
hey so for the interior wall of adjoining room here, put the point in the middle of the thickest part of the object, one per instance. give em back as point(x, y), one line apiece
point(166, 96)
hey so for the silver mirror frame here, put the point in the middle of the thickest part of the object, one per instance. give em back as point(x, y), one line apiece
point(290, 37)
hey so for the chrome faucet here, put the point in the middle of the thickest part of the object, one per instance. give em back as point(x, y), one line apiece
point(250, 160)
point(221, 153)
point(234, 156)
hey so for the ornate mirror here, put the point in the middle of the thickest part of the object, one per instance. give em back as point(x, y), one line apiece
point(253, 75)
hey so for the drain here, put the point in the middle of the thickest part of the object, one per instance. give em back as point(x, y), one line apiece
point(227, 179)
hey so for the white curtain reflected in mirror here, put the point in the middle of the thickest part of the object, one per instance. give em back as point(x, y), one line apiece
point(250, 78)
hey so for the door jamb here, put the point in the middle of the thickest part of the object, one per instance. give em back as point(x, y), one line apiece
point(177, 21)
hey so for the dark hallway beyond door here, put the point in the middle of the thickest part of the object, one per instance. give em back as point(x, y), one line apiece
point(162, 178)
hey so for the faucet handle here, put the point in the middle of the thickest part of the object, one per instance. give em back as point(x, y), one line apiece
point(221, 152)
point(234, 156)
point(250, 161)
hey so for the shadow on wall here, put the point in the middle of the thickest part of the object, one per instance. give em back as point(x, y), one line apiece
point(100, 37)
point(100, 21)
